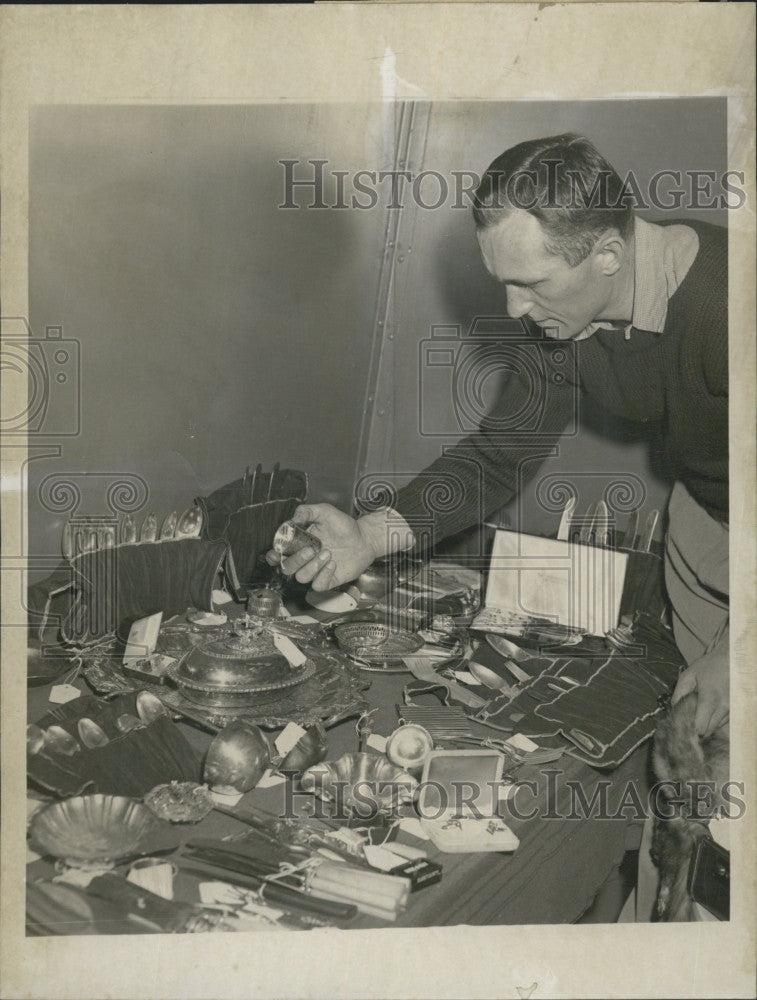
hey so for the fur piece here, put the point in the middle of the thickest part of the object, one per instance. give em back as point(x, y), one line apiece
point(681, 757)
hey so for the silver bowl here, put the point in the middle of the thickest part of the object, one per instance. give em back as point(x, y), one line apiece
point(92, 831)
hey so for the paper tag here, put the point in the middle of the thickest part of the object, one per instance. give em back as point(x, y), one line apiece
point(413, 826)
point(269, 780)
point(379, 858)
point(376, 742)
point(226, 800)
point(288, 737)
point(519, 742)
point(61, 693)
point(287, 648)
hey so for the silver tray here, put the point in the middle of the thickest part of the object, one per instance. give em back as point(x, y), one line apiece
point(334, 691)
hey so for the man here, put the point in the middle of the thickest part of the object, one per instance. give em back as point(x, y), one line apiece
point(647, 306)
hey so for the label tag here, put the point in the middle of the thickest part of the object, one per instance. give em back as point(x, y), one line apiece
point(288, 737)
point(287, 648)
point(376, 742)
point(61, 693)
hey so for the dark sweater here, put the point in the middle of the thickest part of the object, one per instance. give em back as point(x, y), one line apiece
point(677, 378)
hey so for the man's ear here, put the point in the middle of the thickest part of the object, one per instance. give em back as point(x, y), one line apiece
point(611, 252)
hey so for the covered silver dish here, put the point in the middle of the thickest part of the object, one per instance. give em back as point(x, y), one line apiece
point(236, 671)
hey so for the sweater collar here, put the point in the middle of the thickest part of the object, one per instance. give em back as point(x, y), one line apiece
point(662, 258)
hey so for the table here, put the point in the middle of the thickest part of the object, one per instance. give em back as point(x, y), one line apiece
point(552, 877)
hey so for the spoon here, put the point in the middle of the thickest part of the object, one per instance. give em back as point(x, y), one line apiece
point(149, 532)
point(489, 678)
point(58, 740)
point(189, 524)
point(128, 531)
point(126, 722)
point(91, 735)
point(149, 707)
point(35, 739)
point(169, 525)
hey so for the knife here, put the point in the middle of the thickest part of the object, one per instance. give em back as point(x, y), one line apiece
point(563, 531)
point(587, 526)
point(632, 529)
point(274, 473)
point(645, 538)
point(271, 892)
point(602, 525)
point(256, 473)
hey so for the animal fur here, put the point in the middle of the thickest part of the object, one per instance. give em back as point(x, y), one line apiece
point(681, 757)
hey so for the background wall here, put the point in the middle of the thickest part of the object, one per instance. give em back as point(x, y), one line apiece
point(217, 330)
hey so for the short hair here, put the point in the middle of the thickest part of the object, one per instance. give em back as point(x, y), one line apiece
point(565, 183)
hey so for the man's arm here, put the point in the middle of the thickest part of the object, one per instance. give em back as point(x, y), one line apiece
point(475, 477)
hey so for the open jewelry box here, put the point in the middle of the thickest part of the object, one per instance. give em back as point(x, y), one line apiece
point(581, 586)
point(457, 804)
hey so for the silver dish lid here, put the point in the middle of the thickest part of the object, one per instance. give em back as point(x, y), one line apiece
point(229, 664)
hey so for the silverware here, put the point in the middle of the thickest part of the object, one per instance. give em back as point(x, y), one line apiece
point(274, 472)
point(67, 543)
point(149, 707)
point(58, 740)
point(149, 532)
point(632, 529)
point(506, 648)
point(169, 525)
point(126, 722)
point(35, 739)
point(645, 538)
point(106, 537)
point(563, 531)
point(189, 524)
point(91, 735)
point(256, 474)
point(602, 525)
point(587, 526)
point(487, 677)
point(128, 531)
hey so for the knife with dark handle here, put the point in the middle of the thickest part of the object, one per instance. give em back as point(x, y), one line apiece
point(563, 531)
point(632, 529)
point(304, 908)
point(602, 525)
point(271, 892)
point(587, 525)
point(645, 538)
point(256, 473)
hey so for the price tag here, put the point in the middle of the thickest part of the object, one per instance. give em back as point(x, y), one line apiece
point(376, 742)
point(288, 737)
point(61, 693)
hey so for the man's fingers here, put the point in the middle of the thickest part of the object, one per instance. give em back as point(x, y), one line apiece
point(304, 514)
point(272, 558)
point(292, 564)
point(687, 683)
point(312, 565)
point(325, 577)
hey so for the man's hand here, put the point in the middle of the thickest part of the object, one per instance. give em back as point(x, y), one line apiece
point(349, 547)
point(709, 677)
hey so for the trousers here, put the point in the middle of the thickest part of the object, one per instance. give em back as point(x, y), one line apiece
point(696, 579)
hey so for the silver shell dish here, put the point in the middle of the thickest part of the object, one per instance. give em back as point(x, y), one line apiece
point(360, 782)
point(226, 673)
point(376, 646)
point(90, 831)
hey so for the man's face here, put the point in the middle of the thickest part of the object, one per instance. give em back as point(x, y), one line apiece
point(561, 299)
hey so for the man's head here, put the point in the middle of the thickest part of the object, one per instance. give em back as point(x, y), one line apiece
point(553, 226)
